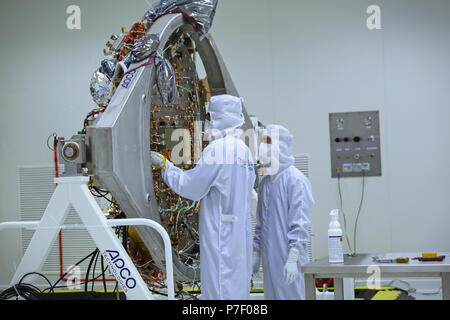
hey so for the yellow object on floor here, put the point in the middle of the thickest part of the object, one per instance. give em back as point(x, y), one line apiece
point(387, 295)
point(381, 293)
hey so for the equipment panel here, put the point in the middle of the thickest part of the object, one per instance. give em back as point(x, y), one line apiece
point(355, 144)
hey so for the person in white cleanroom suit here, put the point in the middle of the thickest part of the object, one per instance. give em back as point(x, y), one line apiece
point(223, 181)
point(283, 218)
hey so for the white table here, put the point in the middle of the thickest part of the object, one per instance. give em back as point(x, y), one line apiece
point(362, 265)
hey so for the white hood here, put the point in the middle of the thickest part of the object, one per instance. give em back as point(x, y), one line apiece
point(276, 156)
point(226, 112)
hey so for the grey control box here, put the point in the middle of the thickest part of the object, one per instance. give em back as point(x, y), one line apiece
point(355, 144)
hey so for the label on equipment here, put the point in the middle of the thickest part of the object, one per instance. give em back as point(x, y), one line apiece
point(335, 250)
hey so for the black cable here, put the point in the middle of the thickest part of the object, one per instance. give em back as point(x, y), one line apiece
point(103, 274)
point(27, 288)
point(88, 281)
point(116, 288)
point(54, 135)
point(100, 194)
point(30, 292)
point(93, 271)
point(359, 210)
point(89, 270)
point(65, 274)
point(35, 273)
point(25, 291)
point(160, 293)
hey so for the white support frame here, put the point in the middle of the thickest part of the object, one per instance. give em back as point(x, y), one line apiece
point(74, 191)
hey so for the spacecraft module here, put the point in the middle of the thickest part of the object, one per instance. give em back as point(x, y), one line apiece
point(149, 98)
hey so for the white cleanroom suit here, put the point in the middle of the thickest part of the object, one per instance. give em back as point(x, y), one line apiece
point(283, 213)
point(223, 181)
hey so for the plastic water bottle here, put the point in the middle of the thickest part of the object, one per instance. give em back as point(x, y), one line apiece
point(335, 239)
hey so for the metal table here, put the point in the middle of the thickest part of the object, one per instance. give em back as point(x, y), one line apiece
point(362, 265)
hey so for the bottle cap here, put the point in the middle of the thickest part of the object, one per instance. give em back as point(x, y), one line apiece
point(334, 213)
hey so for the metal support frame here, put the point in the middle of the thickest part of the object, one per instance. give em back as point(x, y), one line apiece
point(74, 191)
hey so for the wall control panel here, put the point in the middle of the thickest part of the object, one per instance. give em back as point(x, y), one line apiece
point(355, 144)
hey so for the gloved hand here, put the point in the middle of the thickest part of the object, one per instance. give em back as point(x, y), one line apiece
point(256, 261)
point(291, 269)
point(158, 160)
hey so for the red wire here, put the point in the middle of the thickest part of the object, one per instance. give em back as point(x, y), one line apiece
point(185, 14)
point(55, 162)
point(149, 62)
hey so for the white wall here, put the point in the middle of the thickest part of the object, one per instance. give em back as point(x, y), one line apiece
point(294, 61)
